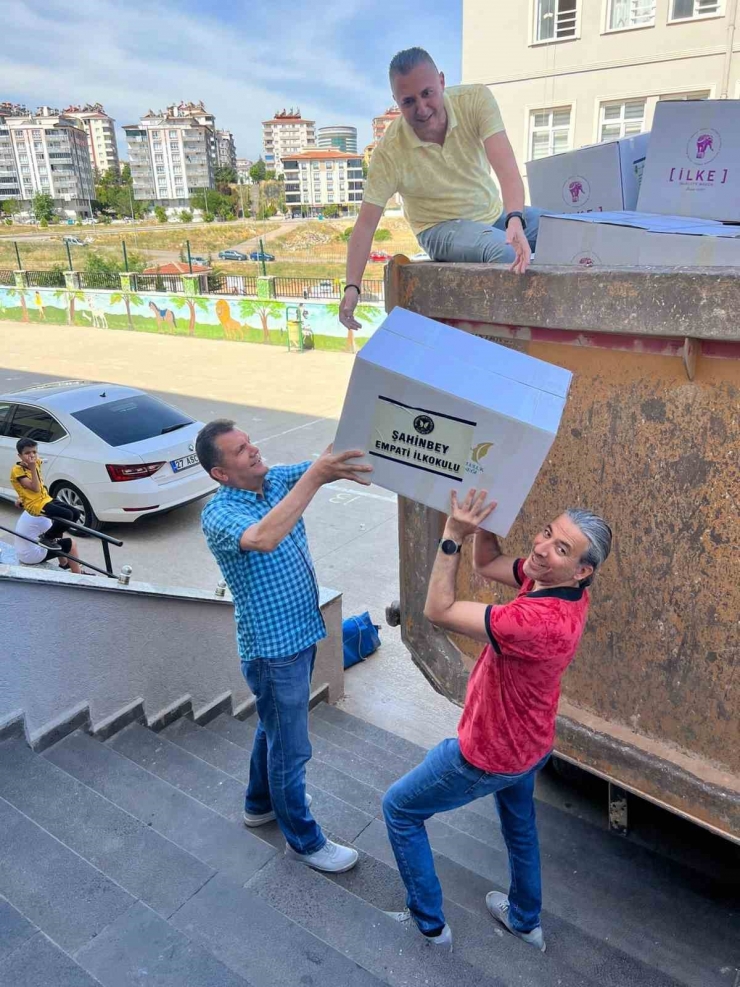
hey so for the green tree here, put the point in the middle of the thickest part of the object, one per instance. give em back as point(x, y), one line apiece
point(381, 235)
point(43, 206)
point(226, 175)
point(70, 297)
point(258, 171)
point(361, 312)
point(331, 211)
point(11, 207)
point(161, 213)
point(128, 298)
point(266, 310)
point(346, 234)
point(20, 294)
point(364, 168)
point(186, 216)
point(182, 301)
point(126, 178)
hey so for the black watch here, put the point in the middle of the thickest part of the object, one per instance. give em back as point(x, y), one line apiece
point(449, 547)
point(511, 215)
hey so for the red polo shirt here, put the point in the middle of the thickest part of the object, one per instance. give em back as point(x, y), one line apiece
point(508, 723)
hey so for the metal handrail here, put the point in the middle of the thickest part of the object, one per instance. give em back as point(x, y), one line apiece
point(105, 540)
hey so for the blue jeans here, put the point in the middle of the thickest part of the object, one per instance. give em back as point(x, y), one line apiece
point(444, 781)
point(469, 242)
point(281, 749)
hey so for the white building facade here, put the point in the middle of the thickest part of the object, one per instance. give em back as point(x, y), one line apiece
point(101, 136)
point(225, 149)
point(316, 179)
point(46, 152)
point(576, 72)
point(286, 135)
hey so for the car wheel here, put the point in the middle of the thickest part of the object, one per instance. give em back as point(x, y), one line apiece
point(67, 493)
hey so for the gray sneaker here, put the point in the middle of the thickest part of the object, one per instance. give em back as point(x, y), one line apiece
point(497, 904)
point(332, 858)
point(443, 939)
point(253, 821)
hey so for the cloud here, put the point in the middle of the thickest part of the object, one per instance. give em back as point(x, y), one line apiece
point(242, 61)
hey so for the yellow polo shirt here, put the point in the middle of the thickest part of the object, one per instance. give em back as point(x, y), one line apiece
point(441, 182)
point(32, 502)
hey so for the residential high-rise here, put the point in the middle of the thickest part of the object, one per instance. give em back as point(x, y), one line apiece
point(101, 135)
point(172, 154)
point(381, 123)
point(574, 73)
point(45, 151)
point(225, 149)
point(286, 134)
point(242, 170)
point(315, 179)
point(342, 138)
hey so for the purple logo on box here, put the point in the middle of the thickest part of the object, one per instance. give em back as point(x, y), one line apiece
point(586, 260)
point(704, 146)
point(576, 191)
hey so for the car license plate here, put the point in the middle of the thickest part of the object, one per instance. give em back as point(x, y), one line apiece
point(185, 463)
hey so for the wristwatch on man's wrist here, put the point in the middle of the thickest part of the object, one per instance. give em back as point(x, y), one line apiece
point(519, 216)
point(449, 547)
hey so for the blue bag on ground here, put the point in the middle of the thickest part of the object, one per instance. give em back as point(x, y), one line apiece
point(360, 637)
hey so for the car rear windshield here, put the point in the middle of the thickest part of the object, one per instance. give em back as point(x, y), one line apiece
point(131, 419)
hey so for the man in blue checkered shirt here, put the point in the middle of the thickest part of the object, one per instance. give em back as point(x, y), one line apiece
point(254, 528)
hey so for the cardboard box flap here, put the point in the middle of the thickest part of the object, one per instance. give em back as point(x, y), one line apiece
point(654, 222)
point(470, 351)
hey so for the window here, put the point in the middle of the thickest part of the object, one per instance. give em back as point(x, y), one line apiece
point(683, 10)
point(160, 169)
point(155, 133)
point(555, 19)
point(131, 419)
point(549, 132)
point(173, 133)
point(174, 148)
point(624, 14)
point(621, 119)
point(159, 158)
point(157, 145)
point(33, 423)
point(702, 94)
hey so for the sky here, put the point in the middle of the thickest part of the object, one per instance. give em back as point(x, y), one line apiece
point(244, 59)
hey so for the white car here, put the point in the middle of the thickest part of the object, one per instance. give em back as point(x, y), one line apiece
point(115, 452)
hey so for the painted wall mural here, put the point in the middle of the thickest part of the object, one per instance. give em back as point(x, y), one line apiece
point(247, 320)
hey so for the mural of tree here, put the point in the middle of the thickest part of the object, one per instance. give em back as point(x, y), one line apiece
point(361, 312)
point(266, 310)
point(71, 297)
point(21, 294)
point(180, 302)
point(128, 298)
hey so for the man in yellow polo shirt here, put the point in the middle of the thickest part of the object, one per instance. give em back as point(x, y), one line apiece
point(438, 155)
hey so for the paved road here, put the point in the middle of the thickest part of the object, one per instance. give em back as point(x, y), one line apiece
point(289, 404)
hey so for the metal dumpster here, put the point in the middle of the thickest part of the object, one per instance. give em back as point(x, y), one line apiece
point(651, 439)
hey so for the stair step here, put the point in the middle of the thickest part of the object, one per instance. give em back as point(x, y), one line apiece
point(321, 727)
point(388, 950)
point(368, 731)
point(221, 791)
point(140, 948)
point(142, 862)
point(221, 844)
point(42, 893)
point(277, 952)
point(14, 929)
point(39, 963)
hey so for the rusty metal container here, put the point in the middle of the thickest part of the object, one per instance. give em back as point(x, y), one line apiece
point(650, 438)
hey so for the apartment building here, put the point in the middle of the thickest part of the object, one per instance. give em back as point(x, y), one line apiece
point(287, 134)
point(101, 135)
point(172, 154)
point(341, 138)
point(317, 178)
point(225, 149)
point(382, 122)
point(45, 151)
point(242, 170)
point(576, 72)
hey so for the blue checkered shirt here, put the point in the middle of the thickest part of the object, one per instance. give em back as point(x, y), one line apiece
point(276, 594)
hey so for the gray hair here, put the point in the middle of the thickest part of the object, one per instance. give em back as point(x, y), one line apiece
point(206, 446)
point(407, 60)
point(598, 534)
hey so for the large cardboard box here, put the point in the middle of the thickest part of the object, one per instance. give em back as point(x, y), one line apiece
point(598, 178)
point(438, 409)
point(629, 239)
point(693, 168)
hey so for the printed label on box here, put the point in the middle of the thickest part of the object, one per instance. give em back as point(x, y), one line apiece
point(421, 438)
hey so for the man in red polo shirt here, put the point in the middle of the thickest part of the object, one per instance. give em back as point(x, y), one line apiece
point(507, 728)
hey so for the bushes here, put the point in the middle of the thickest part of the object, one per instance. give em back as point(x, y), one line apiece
point(161, 213)
point(382, 235)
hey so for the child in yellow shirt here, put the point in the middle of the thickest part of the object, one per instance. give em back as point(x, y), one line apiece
point(25, 478)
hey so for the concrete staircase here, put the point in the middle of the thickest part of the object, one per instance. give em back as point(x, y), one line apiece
point(126, 863)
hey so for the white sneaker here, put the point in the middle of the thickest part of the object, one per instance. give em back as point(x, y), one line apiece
point(253, 821)
point(332, 858)
point(443, 939)
point(497, 904)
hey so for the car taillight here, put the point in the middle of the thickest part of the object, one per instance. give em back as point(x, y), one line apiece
point(135, 472)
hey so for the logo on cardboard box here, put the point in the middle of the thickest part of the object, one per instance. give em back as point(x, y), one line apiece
point(477, 453)
point(586, 260)
point(403, 434)
point(576, 191)
point(704, 146)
